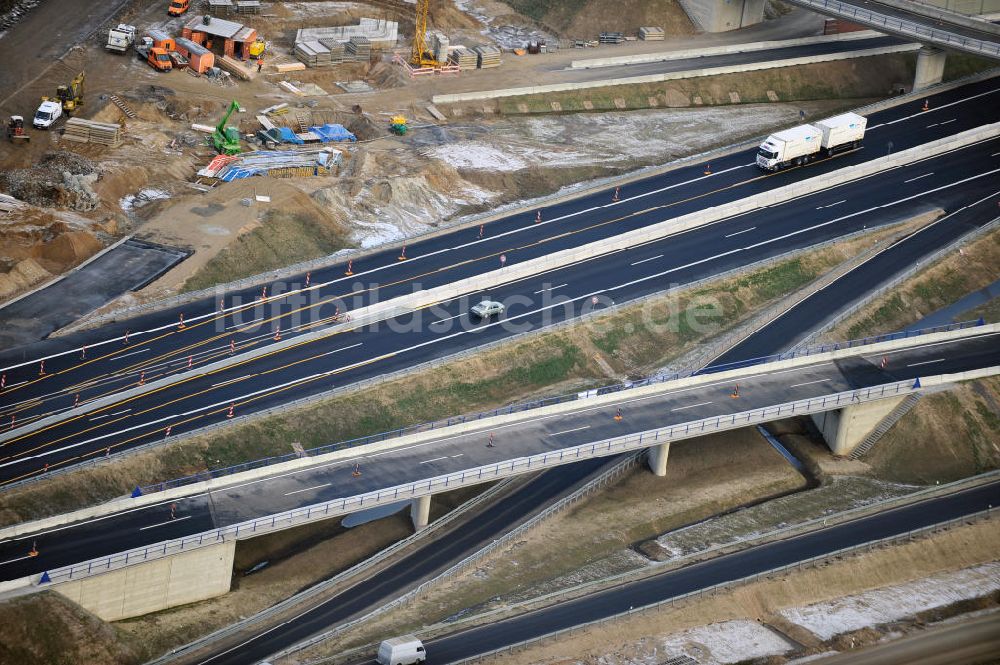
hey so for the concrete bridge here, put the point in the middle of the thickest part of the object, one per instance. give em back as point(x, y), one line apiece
point(937, 26)
point(187, 535)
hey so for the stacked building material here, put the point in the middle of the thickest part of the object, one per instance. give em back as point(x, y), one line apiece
point(487, 56)
point(273, 163)
point(358, 48)
point(89, 131)
point(247, 6)
point(234, 67)
point(380, 33)
point(338, 51)
point(439, 46)
point(612, 38)
point(218, 7)
point(463, 58)
point(651, 34)
point(312, 53)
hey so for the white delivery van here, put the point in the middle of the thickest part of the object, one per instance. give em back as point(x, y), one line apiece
point(405, 650)
point(794, 146)
point(842, 132)
point(46, 115)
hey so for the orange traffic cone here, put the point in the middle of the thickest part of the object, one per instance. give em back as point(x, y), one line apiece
point(618, 416)
point(350, 265)
point(402, 254)
point(357, 470)
point(41, 368)
point(489, 444)
point(308, 275)
point(708, 169)
point(180, 324)
point(615, 199)
point(34, 547)
point(277, 334)
point(736, 392)
point(232, 408)
point(926, 106)
point(76, 401)
point(142, 378)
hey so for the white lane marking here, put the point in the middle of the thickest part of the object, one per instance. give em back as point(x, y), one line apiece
point(23, 382)
point(690, 406)
point(739, 232)
point(831, 205)
point(458, 455)
point(436, 459)
point(652, 258)
point(926, 362)
point(930, 344)
point(995, 154)
point(918, 177)
point(239, 378)
point(173, 521)
point(947, 121)
point(343, 348)
point(244, 323)
point(567, 431)
point(549, 288)
point(934, 125)
point(126, 355)
point(936, 108)
point(108, 415)
point(20, 558)
point(307, 489)
point(808, 383)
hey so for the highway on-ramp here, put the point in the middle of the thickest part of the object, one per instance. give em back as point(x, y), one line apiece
point(948, 181)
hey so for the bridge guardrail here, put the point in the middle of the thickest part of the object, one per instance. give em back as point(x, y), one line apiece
point(920, 32)
point(499, 470)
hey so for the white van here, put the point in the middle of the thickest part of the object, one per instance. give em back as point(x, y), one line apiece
point(405, 650)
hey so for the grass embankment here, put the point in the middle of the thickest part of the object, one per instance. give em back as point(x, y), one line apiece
point(977, 266)
point(585, 19)
point(283, 239)
point(582, 356)
point(849, 81)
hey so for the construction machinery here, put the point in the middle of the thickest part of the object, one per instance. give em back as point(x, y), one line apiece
point(120, 38)
point(178, 7)
point(226, 140)
point(397, 125)
point(15, 130)
point(420, 57)
point(257, 49)
point(69, 96)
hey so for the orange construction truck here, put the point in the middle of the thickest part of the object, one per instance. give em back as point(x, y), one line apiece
point(178, 7)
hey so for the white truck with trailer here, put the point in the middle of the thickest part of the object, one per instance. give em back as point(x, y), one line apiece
point(120, 38)
point(800, 145)
point(404, 650)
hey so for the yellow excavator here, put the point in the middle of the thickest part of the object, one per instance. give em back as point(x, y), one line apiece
point(70, 96)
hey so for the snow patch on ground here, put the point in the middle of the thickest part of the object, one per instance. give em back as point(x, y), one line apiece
point(725, 642)
point(886, 604)
point(510, 157)
point(144, 196)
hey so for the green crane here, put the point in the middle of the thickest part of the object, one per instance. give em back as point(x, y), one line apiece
point(227, 139)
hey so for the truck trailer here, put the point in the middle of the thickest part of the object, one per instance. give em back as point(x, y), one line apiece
point(800, 145)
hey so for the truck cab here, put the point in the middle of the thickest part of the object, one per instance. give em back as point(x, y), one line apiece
point(46, 115)
point(159, 59)
point(178, 7)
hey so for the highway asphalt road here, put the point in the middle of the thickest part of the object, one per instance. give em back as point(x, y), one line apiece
point(688, 64)
point(973, 641)
point(128, 267)
point(814, 312)
point(692, 578)
point(345, 357)
point(450, 452)
point(429, 560)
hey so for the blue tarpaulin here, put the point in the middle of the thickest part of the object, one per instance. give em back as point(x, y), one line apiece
point(288, 136)
point(332, 132)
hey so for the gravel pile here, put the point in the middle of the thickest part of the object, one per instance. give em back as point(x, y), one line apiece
point(60, 180)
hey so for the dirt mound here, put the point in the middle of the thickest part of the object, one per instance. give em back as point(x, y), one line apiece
point(586, 19)
point(59, 180)
point(71, 248)
point(47, 628)
point(386, 75)
point(23, 275)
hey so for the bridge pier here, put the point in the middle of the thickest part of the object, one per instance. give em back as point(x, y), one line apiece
point(930, 67)
point(179, 579)
point(844, 429)
point(656, 458)
point(420, 512)
point(724, 15)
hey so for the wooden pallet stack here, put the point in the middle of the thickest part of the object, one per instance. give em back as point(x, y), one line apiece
point(90, 131)
point(464, 58)
point(487, 56)
point(651, 34)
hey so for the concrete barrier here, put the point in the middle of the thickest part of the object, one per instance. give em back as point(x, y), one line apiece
point(943, 15)
point(511, 273)
point(684, 54)
point(455, 98)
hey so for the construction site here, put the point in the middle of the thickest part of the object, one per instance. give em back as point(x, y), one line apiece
point(183, 148)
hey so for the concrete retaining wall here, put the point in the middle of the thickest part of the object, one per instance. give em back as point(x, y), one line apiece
point(669, 76)
point(643, 58)
point(183, 578)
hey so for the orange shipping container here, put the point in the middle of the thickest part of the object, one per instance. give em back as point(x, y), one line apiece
point(200, 57)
